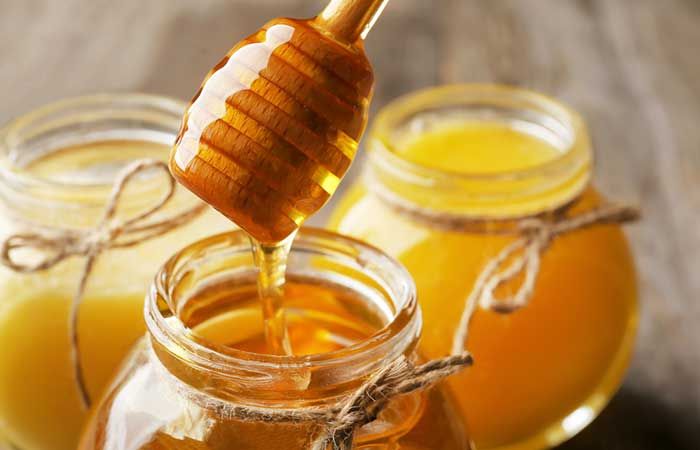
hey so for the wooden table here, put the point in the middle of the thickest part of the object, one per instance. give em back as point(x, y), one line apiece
point(631, 66)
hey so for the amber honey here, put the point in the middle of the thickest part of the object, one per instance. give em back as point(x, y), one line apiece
point(431, 427)
point(275, 126)
point(180, 388)
point(487, 155)
point(320, 318)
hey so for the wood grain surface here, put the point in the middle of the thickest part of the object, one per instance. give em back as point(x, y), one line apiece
point(632, 67)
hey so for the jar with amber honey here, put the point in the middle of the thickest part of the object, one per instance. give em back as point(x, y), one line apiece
point(452, 174)
point(350, 312)
point(57, 167)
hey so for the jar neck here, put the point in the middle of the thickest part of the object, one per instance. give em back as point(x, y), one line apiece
point(262, 380)
point(58, 163)
point(500, 195)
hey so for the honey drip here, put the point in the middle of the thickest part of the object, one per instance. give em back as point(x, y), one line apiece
point(274, 128)
point(271, 261)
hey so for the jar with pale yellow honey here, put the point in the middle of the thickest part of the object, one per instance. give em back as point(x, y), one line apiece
point(57, 167)
point(488, 157)
point(202, 377)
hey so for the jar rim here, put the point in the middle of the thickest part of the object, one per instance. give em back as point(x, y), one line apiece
point(157, 109)
point(72, 193)
point(394, 338)
point(571, 166)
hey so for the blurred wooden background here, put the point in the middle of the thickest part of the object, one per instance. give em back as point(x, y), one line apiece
point(631, 66)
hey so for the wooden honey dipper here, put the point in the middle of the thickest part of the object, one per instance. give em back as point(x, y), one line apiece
point(276, 123)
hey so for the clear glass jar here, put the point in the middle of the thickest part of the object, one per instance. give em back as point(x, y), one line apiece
point(544, 372)
point(57, 166)
point(178, 389)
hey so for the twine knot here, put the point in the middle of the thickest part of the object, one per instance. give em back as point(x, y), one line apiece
point(50, 248)
point(401, 377)
point(100, 239)
point(110, 232)
point(522, 258)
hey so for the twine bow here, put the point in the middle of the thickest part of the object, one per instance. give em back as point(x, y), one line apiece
point(109, 233)
point(364, 405)
point(522, 258)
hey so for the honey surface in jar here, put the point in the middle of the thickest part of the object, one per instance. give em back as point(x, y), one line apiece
point(322, 318)
point(477, 147)
point(276, 123)
point(544, 371)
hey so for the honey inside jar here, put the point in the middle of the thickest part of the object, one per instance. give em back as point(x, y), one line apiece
point(320, 318)
point(39, 404)
point(36, 376)
point(57, 168)
point(477, 147)
point(486, 155)
point(206, 354)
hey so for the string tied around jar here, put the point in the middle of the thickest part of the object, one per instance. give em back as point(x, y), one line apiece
point(109, 233)
point(337, 423)
point(364, 405)
point(522, 258)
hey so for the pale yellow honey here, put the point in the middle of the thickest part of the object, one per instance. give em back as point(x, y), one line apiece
point(39, 403)
point(40, 406)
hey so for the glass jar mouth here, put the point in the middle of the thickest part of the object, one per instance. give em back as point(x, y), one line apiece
point(316, 253)
point(83, 120)
point(483, 191)
point(58, 163)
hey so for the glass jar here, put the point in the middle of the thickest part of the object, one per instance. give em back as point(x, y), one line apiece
point(489, 156)
point(57, 167)
point(181, 387)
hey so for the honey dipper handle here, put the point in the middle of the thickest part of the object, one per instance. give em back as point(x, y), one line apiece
point(350, 20)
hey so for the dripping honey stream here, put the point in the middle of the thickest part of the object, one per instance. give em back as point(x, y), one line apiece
point(271, 261)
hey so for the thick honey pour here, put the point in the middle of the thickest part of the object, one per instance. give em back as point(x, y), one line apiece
point(274, 128)
point(271, 261)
